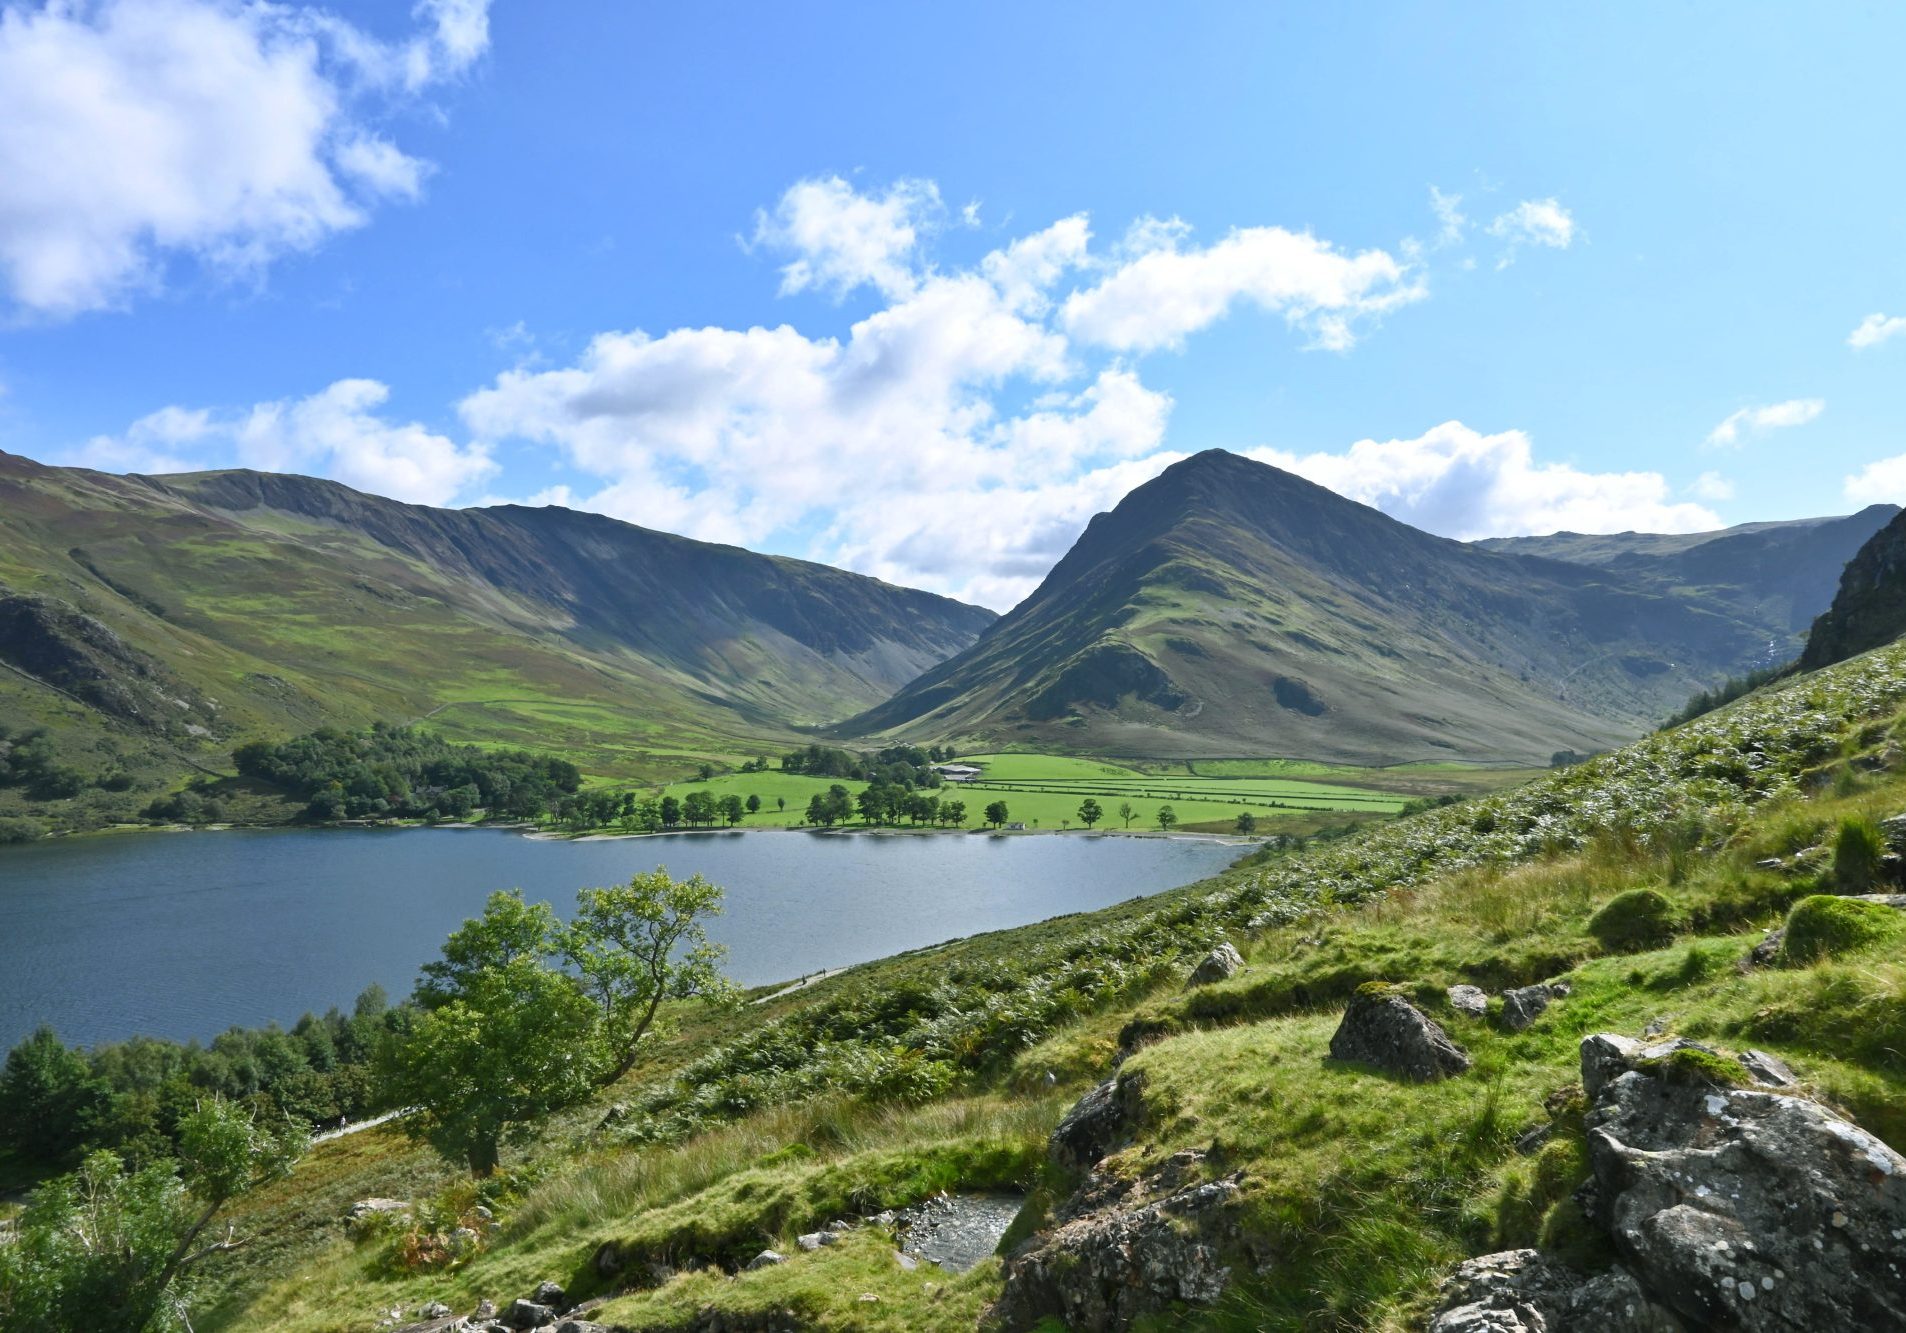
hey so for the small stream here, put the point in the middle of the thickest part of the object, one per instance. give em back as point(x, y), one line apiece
point(957, 1231)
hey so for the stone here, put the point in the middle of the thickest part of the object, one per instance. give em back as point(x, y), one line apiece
point(434, 1310)
point(609, 1259)
point(1893, 833)
point(1223, 961)
point(580, 1326)
point(552, 1295)
point(364, 1208)
point(1523, 1005)
point(524, 1314)
point(1520, 1291)
point(1767, 952)
point(766, 1259)
point(1743, 1207)
point(1897, 900)
point(813, 1240)
point(486, 1309)
point(838, 1225)
point(1099, 1122)
point(1768, 1070)
point(1385, 1030)
point(1469, 1000)
point(1121, 1250)
point(906, 1261)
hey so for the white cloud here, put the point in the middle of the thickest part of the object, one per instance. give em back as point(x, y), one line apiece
point(1536, 222)
point(1461, 483)
point(334, 433)
point(1712, 486)
point(1166, 292)
point(1881, 481)
point(1757, 420)
point(136, 132)
point(843, 239)
point(1876, 329)
point(1451, 224)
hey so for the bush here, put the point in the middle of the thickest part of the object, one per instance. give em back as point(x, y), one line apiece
point(20, 830)
point(1857, 849)
point(1824, 926)
point(1635, 920)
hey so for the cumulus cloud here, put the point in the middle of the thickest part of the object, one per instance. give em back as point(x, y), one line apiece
point(1541, 222)
point(1881, 481)
point(1461, 483)
point(335, 432)
point(1169, 290)
point(1712, 486)
point(1876, 329)
point(137, 132)
point(1758, 420)
point(843, 239)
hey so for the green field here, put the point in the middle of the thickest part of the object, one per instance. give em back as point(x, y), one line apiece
point(1045, 791)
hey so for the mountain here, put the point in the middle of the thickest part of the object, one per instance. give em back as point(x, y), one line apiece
point(1782, 573)
point(1869, 609)
point(199, 607)
point(1227, 607)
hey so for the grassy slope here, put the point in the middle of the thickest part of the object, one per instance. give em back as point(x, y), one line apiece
point(1359, 1190)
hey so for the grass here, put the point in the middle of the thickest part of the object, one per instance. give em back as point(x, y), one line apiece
point(1358, 1190)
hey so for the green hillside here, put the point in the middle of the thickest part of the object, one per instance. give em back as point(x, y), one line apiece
point(1229, 608)
point(148, 623)
point(1643, 879)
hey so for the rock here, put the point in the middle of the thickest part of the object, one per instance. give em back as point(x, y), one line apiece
point(1883, 899)
point(1122, 1250)
point(813, 1240)
point(766, 1259)
point(434, 1310)
point(1605, 1058)
point(1893, 833)
point(1771, 863)
point(1469, 1000)
point(868, 1298)
point(609, 1259)
point(1767, 952)
point(906, 1261)
point(1768, 1070)
point(364, 1208)
point(1523, 1005)
point(486, 1309)
point(552, 1295)
point(1743, 1207)
point(443, 1323)
point(1221, 962)
point(580, 1326)
point(1519, 1291)
point(524, 1314)
point(838, 1225)
point(1383, 1029)
point(1655, 1027)
point(1530, 1142)
point(1097, 1124)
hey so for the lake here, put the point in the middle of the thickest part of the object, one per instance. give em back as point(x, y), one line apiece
point(185, 934)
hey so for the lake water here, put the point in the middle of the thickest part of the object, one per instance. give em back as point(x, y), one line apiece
point(185, 934)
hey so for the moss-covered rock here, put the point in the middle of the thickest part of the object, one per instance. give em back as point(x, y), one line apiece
point(1824, 926)
point(1637, 919)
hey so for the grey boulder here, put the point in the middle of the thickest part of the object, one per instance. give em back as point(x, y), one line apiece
point(1469, 1000)
point(1123, 1250)
point(1099, 1122)
point(1742, 1207)
point(1387, 1031)
point(1520, 1291)
point(1223, 961)
point(1523, 1005)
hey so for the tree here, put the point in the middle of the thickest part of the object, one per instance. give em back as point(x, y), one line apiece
point(754, 804)
point(698, 808)
point(1247, 822)
point(840, 804)
point(1090, 812)
point(671, 812)
point(706, 772)
point(1167, 817)
point(732, 809)
point(818, 811)
point(504, 1038)
point(953, 812)
point(116, 1249)
point(639, 944)
point(1127, 813)
point(49, 1099)
point(996, 813)
point(781, 803)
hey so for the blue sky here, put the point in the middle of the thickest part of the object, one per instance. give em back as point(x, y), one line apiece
point(917, 290)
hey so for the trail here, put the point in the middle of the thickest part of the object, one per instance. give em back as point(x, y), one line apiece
point(359, 1127)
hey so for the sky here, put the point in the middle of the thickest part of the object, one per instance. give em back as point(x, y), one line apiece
point(917, 290)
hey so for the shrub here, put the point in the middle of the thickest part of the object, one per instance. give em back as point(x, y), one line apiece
point(20, 830)
point(1635, 920)
point(1857, 849)
point(1824, 926)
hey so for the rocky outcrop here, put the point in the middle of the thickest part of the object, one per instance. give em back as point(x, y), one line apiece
point(1519, 1291)
point(61, 646)
point(1739, 1205)
point(1122, 1250)
point(1098, 1123)
point(1870, 607)
point(1382, 1029)
point(1222, 962)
